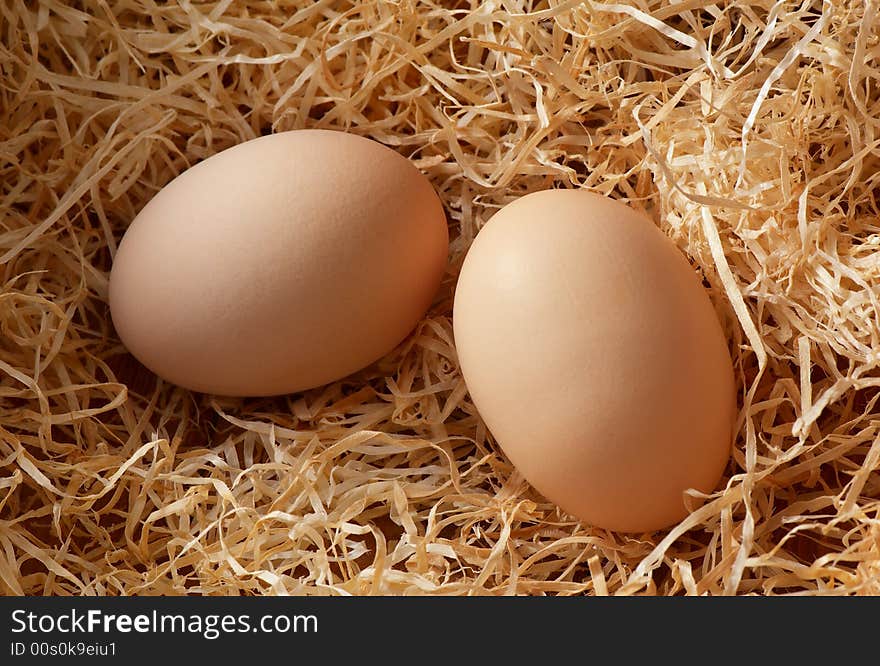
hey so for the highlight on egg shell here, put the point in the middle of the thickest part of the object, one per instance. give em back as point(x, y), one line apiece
point(595, 357)
point(280, 264)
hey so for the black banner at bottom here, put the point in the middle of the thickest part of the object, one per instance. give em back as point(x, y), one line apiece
point(226, 629)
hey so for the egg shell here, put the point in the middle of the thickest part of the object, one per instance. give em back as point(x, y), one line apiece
point(281, 264)
point(595, 358)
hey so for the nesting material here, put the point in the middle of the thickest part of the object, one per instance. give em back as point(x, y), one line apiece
point(750, 132)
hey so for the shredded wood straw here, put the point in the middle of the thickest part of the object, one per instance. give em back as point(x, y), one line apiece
point(749, 131)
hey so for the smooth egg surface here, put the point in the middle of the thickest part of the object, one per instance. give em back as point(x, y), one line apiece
point(281, 264)
point(595, 357)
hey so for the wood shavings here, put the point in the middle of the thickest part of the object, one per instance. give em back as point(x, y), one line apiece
point(749, 132)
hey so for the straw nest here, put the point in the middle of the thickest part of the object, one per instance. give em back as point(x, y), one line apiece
point(749, 131)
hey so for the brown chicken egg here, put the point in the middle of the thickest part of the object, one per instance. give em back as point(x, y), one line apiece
point(283, 263)
point(595, 357)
